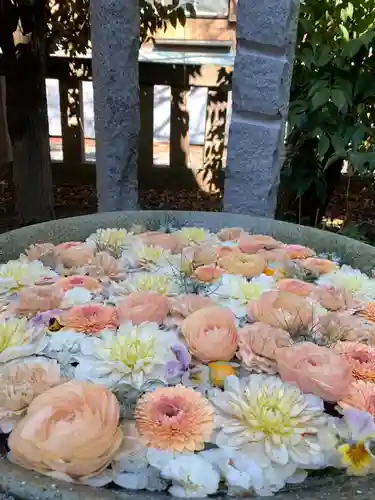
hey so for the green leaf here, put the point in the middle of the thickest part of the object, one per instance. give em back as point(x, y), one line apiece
point(358, 136)
point(339, 99)
point(333, 159)
point(352, 48)
point(338, 145)
point(320, 98)
point(345, 32)
point(323, 145)
point(362, 161)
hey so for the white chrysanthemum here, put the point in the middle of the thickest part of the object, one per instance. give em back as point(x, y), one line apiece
point(133, 355)
point(235, 291)
point(146, 256)
point(165, 284)
point(64, 345)
point(134, 472)
point(16, 274)
point(192, 476)
point(270, 421)
point(245, 476)
point(353, 281)
point(113, 240)
point(195, 235)
point(18, 339)
point(77, 296)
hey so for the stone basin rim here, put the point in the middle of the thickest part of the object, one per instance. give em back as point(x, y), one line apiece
point(27, 485)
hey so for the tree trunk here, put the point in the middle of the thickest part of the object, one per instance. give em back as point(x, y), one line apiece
point(5, 144)
point(28, 124)
point(115, 47)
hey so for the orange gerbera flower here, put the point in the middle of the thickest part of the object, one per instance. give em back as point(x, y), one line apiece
point(361, 358)
point(174, 418)
point(361, 396)
point(90, 318)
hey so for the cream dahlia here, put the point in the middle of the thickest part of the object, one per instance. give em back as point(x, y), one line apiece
point(270, 421)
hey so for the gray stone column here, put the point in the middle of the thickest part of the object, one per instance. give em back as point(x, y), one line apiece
point(115, 47)
point(266, 35)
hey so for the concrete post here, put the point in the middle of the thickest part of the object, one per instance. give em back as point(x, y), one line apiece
point(266, 35)
point(115, 47)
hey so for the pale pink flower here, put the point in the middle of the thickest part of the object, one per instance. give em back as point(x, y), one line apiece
point(211, 334)
point(242, 264)
point(105, 267)
point(361, 396)
point(334, 299)
point(261, 339)
point(315, 369)
point(318, 266)
point(21, 381)
point(90, 319)
point(79, 281)
point(252, 243)
point(297, 287)
point(70, 432)
point(174, 418)
point(182, 306)
point(298, 251)
point(230, 233)
point(361, 358)
point(34, 299)
point(142, 307)
point(74, 254)
point(163, 240)
point(35, 252)
point(208, 274)
point(281, 310)
point(344, 326)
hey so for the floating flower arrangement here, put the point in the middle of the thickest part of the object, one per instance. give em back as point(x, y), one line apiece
point(186, 361)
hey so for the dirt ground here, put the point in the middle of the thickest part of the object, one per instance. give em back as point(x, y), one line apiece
point(356, 203)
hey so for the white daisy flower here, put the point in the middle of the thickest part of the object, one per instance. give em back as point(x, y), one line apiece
point(353, 281)
point(236, 291)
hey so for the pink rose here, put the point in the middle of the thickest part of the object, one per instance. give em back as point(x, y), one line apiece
point(281, 310)
point(315, 369)
point(258, 344)
point(297, 287)
point(140, 307)
point(211, 334)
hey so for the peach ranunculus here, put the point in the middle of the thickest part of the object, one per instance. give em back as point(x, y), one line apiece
point(242, 264)
point(343, 326)
point(297, 287)
point(70, 432)
point(361, 358)
point(210, 334)
point(319, 266)
point(21, 381)
point(208, 274)
point(298, 251)
point(203, 255)
point(227, 251)
point(252, 243)
point(183, 305)
point(277, 255)
point(334, 299)
point(34, 299)
point(79, 281)
point(142, 307)
point(258, 344)
point(361, 396)
point(315, 369)
point(74, 254)
point(90, 319)
point(281, 310)
point(230, 233)
point(163, 240)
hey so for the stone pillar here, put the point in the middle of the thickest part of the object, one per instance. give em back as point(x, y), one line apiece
point(115, 47)
point(266, 35)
